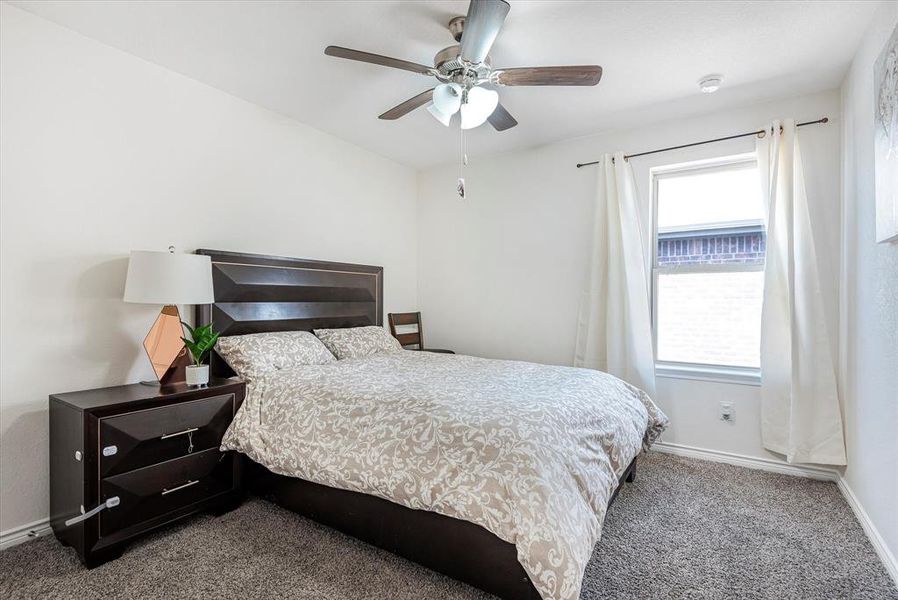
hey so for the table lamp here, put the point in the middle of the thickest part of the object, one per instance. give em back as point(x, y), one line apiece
point(168, 278)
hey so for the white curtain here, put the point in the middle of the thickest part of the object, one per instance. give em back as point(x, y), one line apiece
point(800, 414)
point(614, 333)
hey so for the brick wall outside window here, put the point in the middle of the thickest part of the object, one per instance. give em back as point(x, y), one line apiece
point(710, 317)
point(712, 247)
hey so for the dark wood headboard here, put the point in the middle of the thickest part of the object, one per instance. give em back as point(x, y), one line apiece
point(256, 293)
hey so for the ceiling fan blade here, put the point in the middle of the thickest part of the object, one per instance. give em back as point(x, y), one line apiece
point(501, 119)
point(576, 75)
point(482, 25)
point(408, 106)
point(376, 59)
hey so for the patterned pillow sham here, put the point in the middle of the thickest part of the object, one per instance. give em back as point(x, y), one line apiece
point(355, 342)
point(256, 353)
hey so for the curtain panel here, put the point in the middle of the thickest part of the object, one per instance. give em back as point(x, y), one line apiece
point(800, 413)
point(614, 332)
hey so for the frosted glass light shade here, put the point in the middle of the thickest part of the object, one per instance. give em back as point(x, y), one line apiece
point(480, 105)
point(439, 116)
point(169, 278)
point(447, 98)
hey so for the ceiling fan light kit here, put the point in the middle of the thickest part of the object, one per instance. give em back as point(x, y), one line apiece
point(447, 97)
point(478, 104)
point(464, 69)
point(439, 115)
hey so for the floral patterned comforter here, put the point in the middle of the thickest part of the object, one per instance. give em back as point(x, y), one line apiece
point(530, 452)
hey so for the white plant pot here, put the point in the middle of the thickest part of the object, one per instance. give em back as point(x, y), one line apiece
point(198, 375)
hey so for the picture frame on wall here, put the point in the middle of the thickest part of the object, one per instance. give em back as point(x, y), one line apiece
point(885, 140)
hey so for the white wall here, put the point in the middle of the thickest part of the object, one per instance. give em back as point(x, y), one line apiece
point(501, 273)
point(101, 153)
point(869, 358)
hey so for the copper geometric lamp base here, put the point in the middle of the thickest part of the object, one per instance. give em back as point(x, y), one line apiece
point(165, 348)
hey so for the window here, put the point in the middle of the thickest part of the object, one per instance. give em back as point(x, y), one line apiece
point(708, 268)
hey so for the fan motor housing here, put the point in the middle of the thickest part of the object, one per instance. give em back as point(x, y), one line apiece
point(448, 62)
point(450, 65)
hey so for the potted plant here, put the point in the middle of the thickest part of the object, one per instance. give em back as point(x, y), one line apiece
point(202, 341)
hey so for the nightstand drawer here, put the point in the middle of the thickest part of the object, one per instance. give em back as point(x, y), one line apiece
point(155, 435)
point(153, 491)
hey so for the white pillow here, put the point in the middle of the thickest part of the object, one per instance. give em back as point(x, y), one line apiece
point(355, 342)
point(256, 353)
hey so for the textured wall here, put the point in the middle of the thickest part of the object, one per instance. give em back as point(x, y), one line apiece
point(869, 359)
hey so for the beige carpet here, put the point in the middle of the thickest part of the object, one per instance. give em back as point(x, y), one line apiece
point(685, 529)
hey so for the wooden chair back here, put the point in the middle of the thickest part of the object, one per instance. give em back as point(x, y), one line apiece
point(414, 338)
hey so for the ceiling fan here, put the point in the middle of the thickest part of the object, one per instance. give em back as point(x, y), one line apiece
point(464, 69)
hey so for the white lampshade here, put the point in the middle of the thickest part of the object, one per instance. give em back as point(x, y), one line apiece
point(169, 278)
point(447, 98)
point(439, 116)
point(480, 105)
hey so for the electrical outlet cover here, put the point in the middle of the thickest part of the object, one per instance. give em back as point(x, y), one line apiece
point(727, 413)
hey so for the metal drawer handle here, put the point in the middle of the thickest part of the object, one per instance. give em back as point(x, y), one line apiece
point(180, 487)
point(171, 435)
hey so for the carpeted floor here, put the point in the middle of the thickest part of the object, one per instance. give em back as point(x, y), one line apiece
point(685, 529)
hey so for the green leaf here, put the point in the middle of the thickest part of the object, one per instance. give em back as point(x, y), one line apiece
point(203, 340)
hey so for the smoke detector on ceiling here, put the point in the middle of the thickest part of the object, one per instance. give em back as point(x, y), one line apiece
point(710, 83)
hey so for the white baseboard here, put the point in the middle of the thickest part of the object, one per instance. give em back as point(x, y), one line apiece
point(23, 533)
point(764, 464)
point(879, 544)
point(751, 462)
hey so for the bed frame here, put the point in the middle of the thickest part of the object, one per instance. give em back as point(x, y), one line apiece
point(256, 293)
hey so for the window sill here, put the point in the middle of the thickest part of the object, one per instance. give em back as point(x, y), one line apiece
point(733, 375)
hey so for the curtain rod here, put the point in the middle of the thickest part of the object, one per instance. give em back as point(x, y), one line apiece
point(759, 132)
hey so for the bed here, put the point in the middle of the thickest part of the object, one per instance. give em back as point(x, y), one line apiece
point(496, 473)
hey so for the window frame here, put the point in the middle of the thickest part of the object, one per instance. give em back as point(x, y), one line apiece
point(685, 370)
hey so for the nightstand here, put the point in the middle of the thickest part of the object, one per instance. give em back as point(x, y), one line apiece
point(125, 460)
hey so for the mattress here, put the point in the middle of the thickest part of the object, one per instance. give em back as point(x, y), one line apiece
point(530, 452)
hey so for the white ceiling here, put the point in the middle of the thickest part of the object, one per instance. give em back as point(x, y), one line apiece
point(271, 53)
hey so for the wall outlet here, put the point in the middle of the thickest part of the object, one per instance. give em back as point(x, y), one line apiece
point(727, 413)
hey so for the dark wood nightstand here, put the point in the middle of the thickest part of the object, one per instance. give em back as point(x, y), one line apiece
point(125, 460)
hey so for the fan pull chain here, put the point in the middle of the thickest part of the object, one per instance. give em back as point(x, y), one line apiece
point(460, 188)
